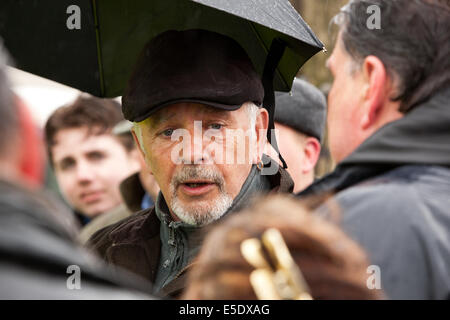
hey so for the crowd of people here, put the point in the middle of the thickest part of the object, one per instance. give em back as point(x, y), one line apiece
point(173, 192)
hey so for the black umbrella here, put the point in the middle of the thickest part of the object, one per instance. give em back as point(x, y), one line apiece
point(92, 45)
point(98, 57)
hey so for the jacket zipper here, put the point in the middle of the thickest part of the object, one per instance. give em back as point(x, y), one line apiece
point(183, 270)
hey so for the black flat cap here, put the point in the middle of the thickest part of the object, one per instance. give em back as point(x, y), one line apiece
point(191, 66)
point(304, 109)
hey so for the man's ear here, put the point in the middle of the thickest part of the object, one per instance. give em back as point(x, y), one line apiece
point(312, 152)
point(375, 90)
point(261, 125)
point(140, 148)
point(136, 156)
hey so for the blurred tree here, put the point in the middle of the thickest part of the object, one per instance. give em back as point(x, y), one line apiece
point(318, 14)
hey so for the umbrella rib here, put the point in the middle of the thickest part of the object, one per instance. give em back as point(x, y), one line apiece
point(307, 27)
point(313, 41)
point(99, 51)
point(292, 13)
point(301, 21)
point(266, 49)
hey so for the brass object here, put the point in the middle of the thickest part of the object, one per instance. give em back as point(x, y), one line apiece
point(276, 275)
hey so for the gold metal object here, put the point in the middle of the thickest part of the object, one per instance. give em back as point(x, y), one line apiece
point(260, 165)
point(280, 278)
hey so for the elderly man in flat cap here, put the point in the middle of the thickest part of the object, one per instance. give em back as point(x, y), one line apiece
point(195, 100)
point(300, 119)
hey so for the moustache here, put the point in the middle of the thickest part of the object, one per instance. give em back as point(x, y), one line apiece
point(197, 172)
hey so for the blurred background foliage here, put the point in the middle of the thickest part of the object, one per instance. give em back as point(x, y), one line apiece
point(318, 14)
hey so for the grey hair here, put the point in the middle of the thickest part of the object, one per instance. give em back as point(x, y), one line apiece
point(252, 113)
point(418, 64)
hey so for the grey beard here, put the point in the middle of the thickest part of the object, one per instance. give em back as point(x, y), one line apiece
point(199, 214)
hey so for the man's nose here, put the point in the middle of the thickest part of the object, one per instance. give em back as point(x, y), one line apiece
point(196, 153)
point(84, 172)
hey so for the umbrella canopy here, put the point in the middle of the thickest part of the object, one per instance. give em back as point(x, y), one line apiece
point(99, 56)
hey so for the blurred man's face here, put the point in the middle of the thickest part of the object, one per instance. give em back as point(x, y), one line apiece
point(344, 114)
point(292, 149)
point(197, 184)
point(300, 152)
point(89, 169)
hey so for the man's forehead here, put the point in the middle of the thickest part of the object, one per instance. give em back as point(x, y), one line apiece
point(175, 111)
point(81, 133)
point(82, 139)
point(338, 50)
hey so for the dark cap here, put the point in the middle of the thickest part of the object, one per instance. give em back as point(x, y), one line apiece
point(191, 66)
point(304, 109)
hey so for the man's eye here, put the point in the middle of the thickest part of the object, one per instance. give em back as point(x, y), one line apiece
point(167, 132)
point(216, 126)
point(96, 156)
point(66, 165)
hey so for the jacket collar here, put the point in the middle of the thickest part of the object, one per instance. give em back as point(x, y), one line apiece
point(132, 192)
point(421, 137)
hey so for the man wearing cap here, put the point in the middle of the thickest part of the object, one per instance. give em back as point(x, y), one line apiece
point(195, 100)
point(300, 117)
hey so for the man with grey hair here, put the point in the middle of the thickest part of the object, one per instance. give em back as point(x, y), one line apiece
point(389, 131)
point(195, 100)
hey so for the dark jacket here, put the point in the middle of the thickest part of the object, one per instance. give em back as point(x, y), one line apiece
point(394, 195)
point(132, 192)
point(135, 243)
point(37, 246)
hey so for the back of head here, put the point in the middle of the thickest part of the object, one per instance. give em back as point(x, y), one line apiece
point(8, 111)
point(98, 115)
point(304, 109)
point(412, 40)
point(333, 266)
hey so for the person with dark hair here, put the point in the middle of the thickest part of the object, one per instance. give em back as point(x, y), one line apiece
point(89, 161)
point(241, 261)
point(389, 131)
point(40, 258)
point(138, 191)
point(195, 99)
point(300, 119)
